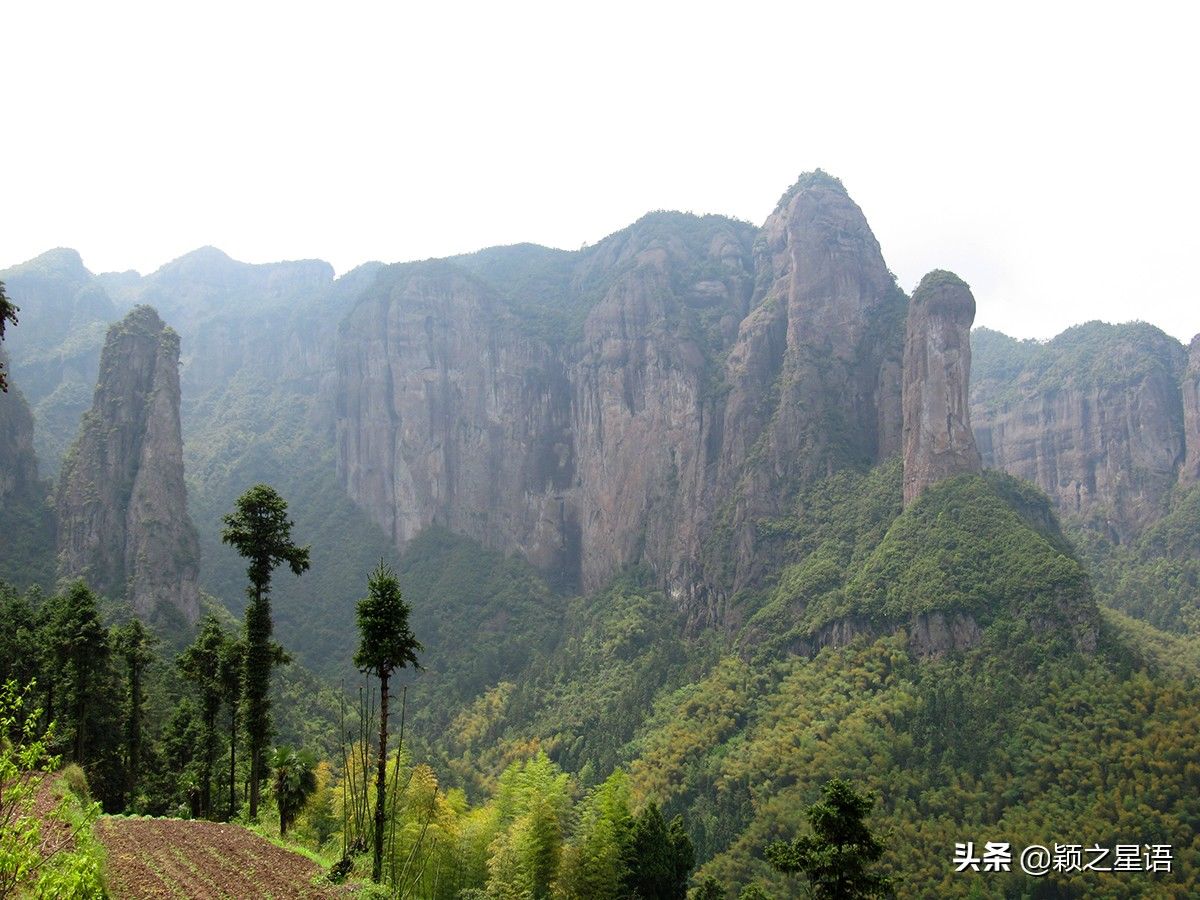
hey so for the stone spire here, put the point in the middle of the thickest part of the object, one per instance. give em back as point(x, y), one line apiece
point(1190, 473)
point(122, 505)
point(938, 441)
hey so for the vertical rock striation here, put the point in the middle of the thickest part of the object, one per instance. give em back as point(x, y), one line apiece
point(813, 377)
point(645, 400)
point(938, 441)
point(1189, 472)
point(18, 464)
point(26, 522)
point(121, 501)
point(1094, 418)
point(455, 418)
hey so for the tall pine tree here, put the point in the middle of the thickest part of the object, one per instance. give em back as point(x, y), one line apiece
point(386, 643)
point(260, 531)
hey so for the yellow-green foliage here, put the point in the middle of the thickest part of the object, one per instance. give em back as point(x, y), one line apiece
point(1083, 750)
point(36, 861)
point(76, 782)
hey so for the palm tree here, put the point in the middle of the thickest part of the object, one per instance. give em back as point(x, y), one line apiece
point(295, 780)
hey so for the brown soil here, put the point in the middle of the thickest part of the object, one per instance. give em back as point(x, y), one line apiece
point(151, 858)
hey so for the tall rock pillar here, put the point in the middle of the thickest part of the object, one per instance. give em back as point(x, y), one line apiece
point(938, 441)
point(122, 505)
point(1190, 473)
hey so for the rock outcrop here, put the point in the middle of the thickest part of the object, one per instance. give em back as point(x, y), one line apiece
point(813, 377)
point(574, 449)
point(26, 523)
point(236, 317)
point(1189, 473)
point(1093, 417)
point(122, 506)
point(642, 401)
point(454, 418)
point(938, 441)
point(18, 464)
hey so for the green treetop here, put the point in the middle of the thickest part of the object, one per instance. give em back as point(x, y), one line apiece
point(837, 857)
point(260, 530)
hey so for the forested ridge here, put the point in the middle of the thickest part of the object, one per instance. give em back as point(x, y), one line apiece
point(641, 511)
point(579, 708)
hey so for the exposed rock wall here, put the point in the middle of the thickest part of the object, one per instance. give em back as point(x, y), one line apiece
point(938, 441)
point(121, 502)
point(18, 464)
point(648, 390)
point(1094, 417)
point(814, 375)
point(1189, 473)
point(457, 419)
point(26, 523)
point(711, 363)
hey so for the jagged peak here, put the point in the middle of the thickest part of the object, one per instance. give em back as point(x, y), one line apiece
point(142, 317)
point(817, 178)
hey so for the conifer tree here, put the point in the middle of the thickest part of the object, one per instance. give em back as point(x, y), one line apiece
point(233, 664)
point(386, 643)
point(136, 646)
point(201, 663)
point(260, 531)
point(837, 857)
point(660, 857)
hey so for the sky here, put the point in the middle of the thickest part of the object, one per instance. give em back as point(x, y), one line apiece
point(1046, 152)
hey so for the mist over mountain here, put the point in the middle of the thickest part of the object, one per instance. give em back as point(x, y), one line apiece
point(648, 496)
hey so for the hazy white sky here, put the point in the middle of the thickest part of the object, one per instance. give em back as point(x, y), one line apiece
point(1047, 152)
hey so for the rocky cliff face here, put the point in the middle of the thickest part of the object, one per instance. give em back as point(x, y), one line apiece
point(121, 503)
point(1094, 418)
point(813, 377)
point(457, 419)
point(18, 464)
point(574, 450)
point(938, 441)
point(1190, 472)
point(687, 361)
point(65, 312)
point(26, 525)
point(235, 317)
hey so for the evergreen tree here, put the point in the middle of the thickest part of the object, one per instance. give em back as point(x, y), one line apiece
point(82, 643)
point(18, 637)
point(709, 889)
point(136, 647)
point(660, 857)
point(86, 689)
point(753, 891)
point(182, 737)
point(233, 663)
point(260, 531)
point(201, 664)
point(386, 643)
point(837, 857)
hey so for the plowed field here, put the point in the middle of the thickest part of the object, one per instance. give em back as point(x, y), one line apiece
point(174, 858)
